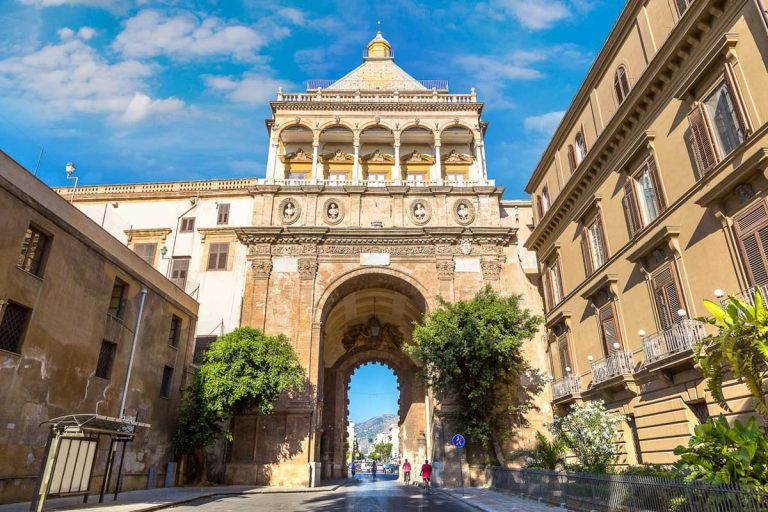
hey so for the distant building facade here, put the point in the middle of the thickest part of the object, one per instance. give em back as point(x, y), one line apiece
point(69, 301)
point(376, 200)
point(650, 198)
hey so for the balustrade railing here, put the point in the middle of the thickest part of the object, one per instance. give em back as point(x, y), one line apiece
point(570, 385)
point(618, 363)
point(378, 97)
point(678, 338)
point(248, 183)
point(748, 295)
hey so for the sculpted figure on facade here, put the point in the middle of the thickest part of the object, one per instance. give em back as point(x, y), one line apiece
point(464, 211)
point(289, 211)
point(420, 212)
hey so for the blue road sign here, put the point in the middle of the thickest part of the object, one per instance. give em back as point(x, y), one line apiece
point(458, 441)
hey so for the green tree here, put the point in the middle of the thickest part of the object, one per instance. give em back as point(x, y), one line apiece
point(244, 369)
point(545, 455)
point(384, 450)
point(740, 348)
point(471, 351)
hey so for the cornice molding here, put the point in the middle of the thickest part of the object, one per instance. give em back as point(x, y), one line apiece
point(374, 107)
point(161, 233)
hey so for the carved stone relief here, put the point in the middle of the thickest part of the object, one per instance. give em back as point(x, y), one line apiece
point(333, 211)
point(464, 211)
point(491, 269)
point(445, 269)
point(307, 268)
point(420, 211)
point(289, 210)
point(261, 268)
point(372, 334)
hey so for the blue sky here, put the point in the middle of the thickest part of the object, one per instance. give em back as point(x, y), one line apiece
point(140, 90)
point(372, 392)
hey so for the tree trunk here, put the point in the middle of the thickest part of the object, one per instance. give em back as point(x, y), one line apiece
point(499, 452)
point(201, 461)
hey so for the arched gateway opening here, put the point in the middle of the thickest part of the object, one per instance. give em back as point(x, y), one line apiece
point(369, 318)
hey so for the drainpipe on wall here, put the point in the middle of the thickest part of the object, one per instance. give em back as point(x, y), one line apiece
point(133, 351)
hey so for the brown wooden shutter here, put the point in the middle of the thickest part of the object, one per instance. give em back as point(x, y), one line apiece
point(556, 271)
point(565, 354)
point(702, 140)
point(547, 290)
point(667, 296)
point(572, 157)
point(737, 99)
point(601, 234)
point(629, 201)
point(752, 230)
point(609, 328)
point(586, 253)
point(661, 203)
point(539, 208)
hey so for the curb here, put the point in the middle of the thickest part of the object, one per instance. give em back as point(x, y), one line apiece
point(459, 500)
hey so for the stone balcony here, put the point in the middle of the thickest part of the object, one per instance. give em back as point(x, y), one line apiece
point(565, 388)
point(675, 343)
point(352, 97)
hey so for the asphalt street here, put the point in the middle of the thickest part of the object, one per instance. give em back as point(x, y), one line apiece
point(362, 494)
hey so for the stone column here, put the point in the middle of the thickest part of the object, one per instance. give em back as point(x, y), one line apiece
point(437, 173)
point(356, 166)
point(397, 175)
point(478, 174)
point(316, 174)
point(272, 158)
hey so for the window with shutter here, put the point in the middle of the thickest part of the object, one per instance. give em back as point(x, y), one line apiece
point(556, 283)
point(585, 254)
point(222, 216)
point(752, 232)
point(724, 121)
point(564, 353)
point(737, 98)
point(702, 140)
point(572, 163)
point(682, 6)
point(581, 148)
point(217, 256)
point(609, 330)
point(621, 84)
point(667, 296)
point(545, 199)
point(629, 201)
point(547, 291)
point(596, 243)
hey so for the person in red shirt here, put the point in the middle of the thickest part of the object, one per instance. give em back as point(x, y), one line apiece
point(426, 474)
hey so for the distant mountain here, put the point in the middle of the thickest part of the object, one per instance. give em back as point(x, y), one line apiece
point(369, 428)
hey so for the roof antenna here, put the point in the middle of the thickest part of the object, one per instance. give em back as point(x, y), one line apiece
point(378, 26)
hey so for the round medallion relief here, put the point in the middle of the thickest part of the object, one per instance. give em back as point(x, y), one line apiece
point(420, 211)
point(289, 210)
point(464, 211)
point(333, 211)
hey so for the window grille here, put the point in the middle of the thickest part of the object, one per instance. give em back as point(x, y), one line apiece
point(116, 301)
point(33, 251)
point(700, 410)
point(106, 359)
point(165, 385)
point(12, 327)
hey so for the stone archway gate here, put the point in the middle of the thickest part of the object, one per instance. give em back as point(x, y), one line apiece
point(295, 276)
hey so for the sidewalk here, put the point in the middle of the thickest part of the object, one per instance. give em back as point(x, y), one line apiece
point(494, 501)
point(158, 499)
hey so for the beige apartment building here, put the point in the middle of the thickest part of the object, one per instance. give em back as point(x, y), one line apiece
point(70, 302)
point(650, 198)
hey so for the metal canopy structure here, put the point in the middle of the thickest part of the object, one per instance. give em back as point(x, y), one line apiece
point(71, 452)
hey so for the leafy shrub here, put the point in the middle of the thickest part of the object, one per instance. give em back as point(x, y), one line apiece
point(658, 470)
point(722, 454)
point(545, 455)
point(590, 433)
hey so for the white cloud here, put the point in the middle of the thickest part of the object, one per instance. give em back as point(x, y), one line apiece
point(142, 106)
point(541, 14)
point(86, 33)
point(70, 78)
point(252, 88)
point(105, 4)
point(151, 33)
point(543, 124)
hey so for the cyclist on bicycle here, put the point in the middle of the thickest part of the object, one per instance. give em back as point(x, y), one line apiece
point(407, 472)
point(426, 474)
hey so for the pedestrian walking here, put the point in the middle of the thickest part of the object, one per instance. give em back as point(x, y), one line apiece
point(373, 469)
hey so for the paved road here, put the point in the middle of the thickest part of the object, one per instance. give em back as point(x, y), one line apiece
point(363, 495)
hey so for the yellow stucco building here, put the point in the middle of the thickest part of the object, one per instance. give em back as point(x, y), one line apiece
point(650, 198)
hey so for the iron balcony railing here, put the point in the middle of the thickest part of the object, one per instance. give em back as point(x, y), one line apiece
point(620, 493)
point(570, 385)
point(678, 338)
point(618, 363)
point(748, 295)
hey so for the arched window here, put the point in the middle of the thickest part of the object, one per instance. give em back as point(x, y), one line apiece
point(621, 84)
point(581, 148)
